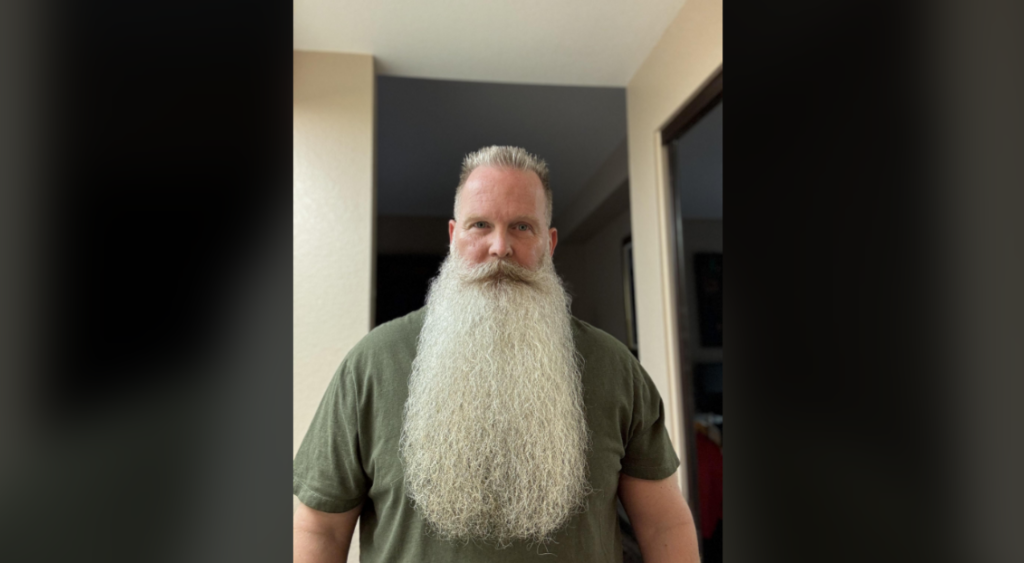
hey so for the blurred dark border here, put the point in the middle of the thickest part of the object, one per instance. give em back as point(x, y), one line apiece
point(874, 309)
point(145, 405)
point(147, 213)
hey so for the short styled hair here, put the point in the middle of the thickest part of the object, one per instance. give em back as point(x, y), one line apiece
point(506, 157)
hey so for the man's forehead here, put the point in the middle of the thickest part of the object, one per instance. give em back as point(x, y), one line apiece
point(510, 186)
point(502, 176)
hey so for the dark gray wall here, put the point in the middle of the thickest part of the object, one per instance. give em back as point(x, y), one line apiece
point(426, 127)
point(697, 163)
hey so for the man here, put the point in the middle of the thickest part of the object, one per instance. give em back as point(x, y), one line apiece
point(491, 425)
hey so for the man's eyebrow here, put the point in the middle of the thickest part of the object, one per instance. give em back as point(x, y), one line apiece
point(525, 219)
point(518, 219)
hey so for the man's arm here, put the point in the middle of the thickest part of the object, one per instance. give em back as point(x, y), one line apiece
point(322, 536)
point(663, 524)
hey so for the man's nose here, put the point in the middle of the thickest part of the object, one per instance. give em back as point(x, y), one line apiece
point(500, 246)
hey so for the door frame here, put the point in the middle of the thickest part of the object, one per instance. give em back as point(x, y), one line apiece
point(689, 113)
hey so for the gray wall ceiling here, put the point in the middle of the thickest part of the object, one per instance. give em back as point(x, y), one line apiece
point(426, 127)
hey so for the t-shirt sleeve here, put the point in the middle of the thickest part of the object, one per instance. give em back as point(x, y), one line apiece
point(649, 451)
point(327, 471)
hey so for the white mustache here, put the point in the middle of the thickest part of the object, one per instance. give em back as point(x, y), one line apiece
point(498, 270)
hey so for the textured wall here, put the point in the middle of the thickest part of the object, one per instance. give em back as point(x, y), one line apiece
point(333, 219)
point(684, 58)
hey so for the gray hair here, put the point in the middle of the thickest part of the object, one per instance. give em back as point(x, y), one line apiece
point(506, 157)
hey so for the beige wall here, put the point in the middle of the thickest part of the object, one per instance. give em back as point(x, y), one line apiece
point(685, 57)
point(333, 219)
point(333, 214)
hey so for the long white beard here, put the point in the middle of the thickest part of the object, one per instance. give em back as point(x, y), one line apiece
point(494, 438)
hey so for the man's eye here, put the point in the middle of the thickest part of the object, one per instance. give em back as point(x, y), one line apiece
point(523, 227)
point(479, 224)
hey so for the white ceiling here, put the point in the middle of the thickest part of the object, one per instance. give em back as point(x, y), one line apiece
point(559, 42)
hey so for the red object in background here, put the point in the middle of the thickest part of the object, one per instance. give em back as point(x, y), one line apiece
point(709, 482)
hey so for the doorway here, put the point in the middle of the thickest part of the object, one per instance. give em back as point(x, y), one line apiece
point(693, 144)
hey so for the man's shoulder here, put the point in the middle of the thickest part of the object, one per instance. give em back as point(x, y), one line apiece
point(392, 337)
point(593, 342)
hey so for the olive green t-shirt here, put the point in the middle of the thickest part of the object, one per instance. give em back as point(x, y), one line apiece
point(350, 453)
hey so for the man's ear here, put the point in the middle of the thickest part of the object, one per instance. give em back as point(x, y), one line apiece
point(554, 239)
point(451, 230)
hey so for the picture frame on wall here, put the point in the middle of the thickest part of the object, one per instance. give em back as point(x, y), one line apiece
point(629, 294)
